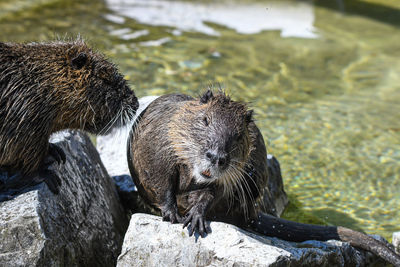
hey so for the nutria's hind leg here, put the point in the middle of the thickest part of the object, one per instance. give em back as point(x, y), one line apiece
point(170, 213)
point(169, 209)
point(166, 195)
point(6, 183)
point(13, 183)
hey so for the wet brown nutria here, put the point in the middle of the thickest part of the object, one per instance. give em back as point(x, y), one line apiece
point(197, 159)
point(47, 87)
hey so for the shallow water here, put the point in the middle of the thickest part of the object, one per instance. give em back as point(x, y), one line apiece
point(323, 79)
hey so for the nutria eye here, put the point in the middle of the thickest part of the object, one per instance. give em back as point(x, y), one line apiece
point(103, 74)
point(79, 61)
point(206, 121)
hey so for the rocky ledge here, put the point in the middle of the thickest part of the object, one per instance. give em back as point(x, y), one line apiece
point(152, 242)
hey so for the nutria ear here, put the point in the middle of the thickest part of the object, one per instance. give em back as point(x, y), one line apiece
point(207, 96)
point(79, 61)
point(249, 116)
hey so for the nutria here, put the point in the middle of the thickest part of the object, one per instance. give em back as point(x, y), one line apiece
point(47, 87)
point(197, 159)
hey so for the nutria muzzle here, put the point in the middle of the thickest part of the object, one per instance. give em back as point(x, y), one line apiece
point(218, 159)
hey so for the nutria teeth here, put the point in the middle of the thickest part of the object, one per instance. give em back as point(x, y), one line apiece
point(206, 173)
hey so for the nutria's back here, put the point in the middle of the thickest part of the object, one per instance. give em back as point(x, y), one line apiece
point(47, 87)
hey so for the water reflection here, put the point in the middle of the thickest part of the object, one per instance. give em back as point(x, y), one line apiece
point(293, 19)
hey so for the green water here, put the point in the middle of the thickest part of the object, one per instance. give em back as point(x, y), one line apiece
point(328, 107)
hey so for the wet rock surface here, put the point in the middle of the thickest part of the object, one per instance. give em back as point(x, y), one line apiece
point(151, 242)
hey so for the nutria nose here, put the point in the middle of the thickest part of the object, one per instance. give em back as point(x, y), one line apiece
point(217, 158)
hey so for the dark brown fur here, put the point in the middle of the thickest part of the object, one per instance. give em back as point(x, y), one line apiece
point(185, 137)
point(205, 158)
point(47, 87)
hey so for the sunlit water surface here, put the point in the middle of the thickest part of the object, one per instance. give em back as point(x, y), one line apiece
point(324, 81)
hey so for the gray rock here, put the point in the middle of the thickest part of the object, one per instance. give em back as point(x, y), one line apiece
point(152, 242)
point(113, 153)
point(396, 241)
point(83, 225)
point(113, 147)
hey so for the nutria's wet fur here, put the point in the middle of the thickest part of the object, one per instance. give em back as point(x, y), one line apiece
point(184, 136)
point(197, 159)
point(47, 87)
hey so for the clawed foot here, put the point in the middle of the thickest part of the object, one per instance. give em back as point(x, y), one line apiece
point(171, 214)
point(197, 223)
point(55, 154)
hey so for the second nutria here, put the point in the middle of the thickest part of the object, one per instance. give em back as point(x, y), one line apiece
point(47, 87)
point(198, 159)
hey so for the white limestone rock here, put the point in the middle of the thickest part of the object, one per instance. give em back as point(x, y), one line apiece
point(396, 241)
point(151, 242)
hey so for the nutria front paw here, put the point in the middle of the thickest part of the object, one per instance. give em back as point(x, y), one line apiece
point(171, 214)
point(197, 222)
point(50, 177)
point(57, 153)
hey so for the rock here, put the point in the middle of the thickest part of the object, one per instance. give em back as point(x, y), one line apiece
point(113, 153)
point(113, 147)
point(129, 196)
point(396, 241)
point(83, 225)
point(151, 242)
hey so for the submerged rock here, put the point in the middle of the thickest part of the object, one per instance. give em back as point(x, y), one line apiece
point(83, 225)
point(151, 242)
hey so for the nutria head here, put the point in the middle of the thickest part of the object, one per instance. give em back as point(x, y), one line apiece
point(211, 137)
point(89, 91)
point(48, 87)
